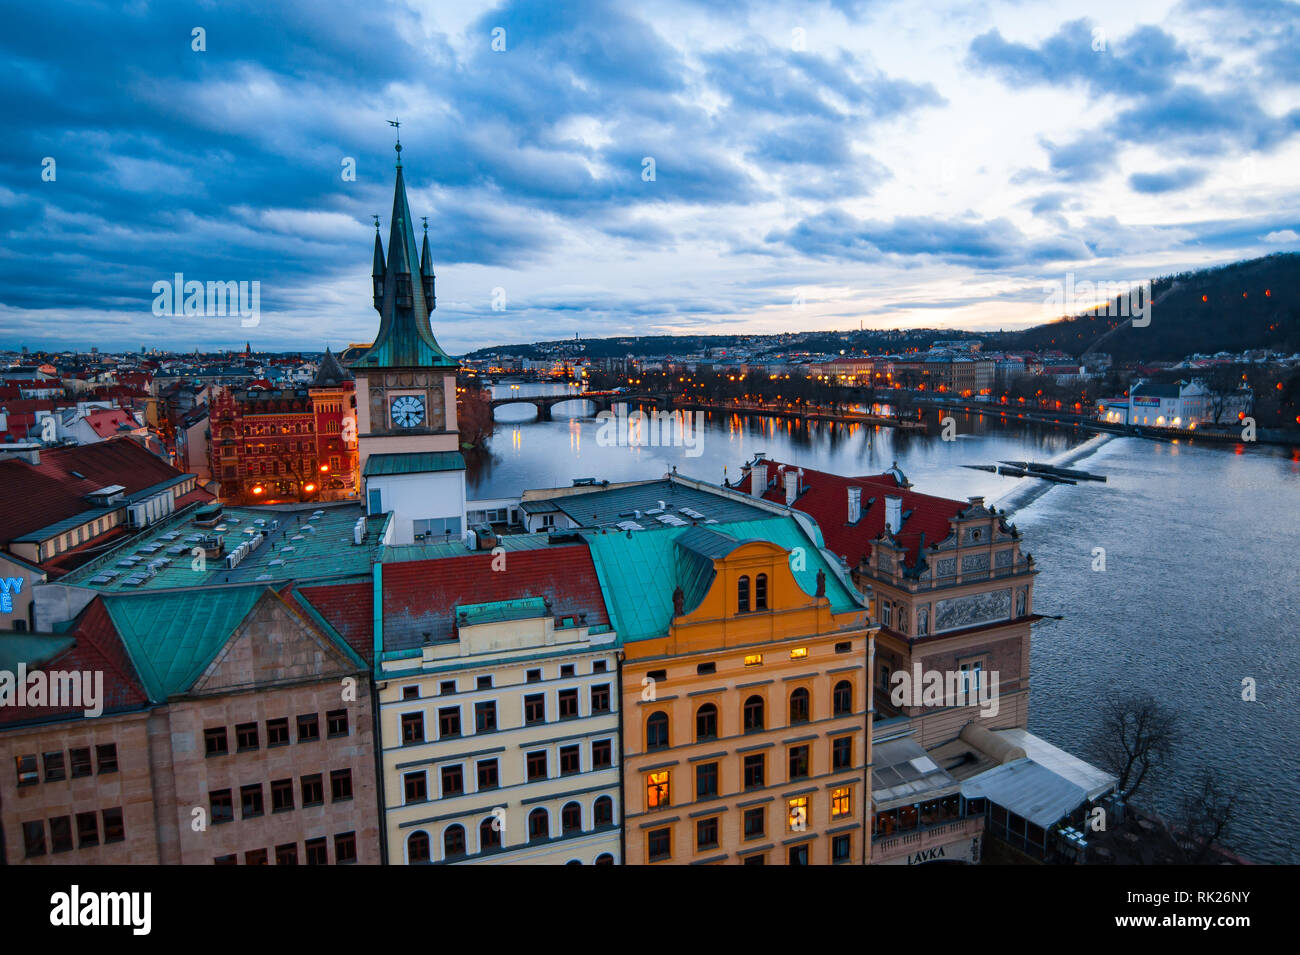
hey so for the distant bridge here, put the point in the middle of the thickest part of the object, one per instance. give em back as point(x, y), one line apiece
point(602, 402)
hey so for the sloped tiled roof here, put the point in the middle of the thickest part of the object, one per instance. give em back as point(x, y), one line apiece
point(348, 607)
point(825, 498)
point(420, 597)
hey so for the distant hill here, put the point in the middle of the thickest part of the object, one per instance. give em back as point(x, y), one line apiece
point(1251, 304)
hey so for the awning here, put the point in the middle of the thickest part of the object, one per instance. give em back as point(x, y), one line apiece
point(902, 773)
point(1088, 777)
point(1029, 790)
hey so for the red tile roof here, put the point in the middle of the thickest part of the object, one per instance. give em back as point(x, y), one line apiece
point(98, 649)
point(107, 422)
point(420, 597)
point(349, 609)
point(826, 499)
point(33, 496)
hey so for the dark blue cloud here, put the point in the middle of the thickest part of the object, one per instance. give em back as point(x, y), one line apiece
point(1183, 177)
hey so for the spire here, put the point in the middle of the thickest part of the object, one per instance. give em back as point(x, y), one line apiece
point(377, 273)
point(426, 268)
point(404, 298)
point(330, 374)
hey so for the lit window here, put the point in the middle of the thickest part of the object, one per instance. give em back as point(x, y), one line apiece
point(798, 653)
point(798, 814)
point(841, 802)
point(657, 793)
point(754, 659)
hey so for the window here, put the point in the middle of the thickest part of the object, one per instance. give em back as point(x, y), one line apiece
point(844, 647)
point(534, 676)
point(799, 706)
point(971, 674)
point(742, 595)
point(887, 614)
point(706, 833)
point(448, 721)
point(841, 753)
point(114, 830)
point(841, 802)
point(568, 704)
point(483, 683)
point(753, 775)
point(410, 693)
point(706, 722)
point(34, 839)
point(489, 834)
point(753, 714)
point(798, 653)
point(799, 760)
point(222, 805)
point(27, 771)
point(841, 848)
point(570, 761)
point(485, 716)
point(797, 814)
point(599, 666)
point(658, 676)
point(214, 741)
point(277, 732)
point(412, 728)
point(446, 687)
point(286, 854)
point(313, 790)
point(534, 708)
point(603, 811)
point(798, 855)
point(336, 723)
point(487, 774)
point(706, 780)
point(281, 795)
point(245, 737)
point(602, 754)
point(317, 851)
point(754, 660)
point(416, 786)
point(571, 818)
point(61, 834)
point(756, 859)
point(657, 789)
point(345, 848)
point(87, 830)
point(659, 844)
point(600, 698)
point(453, 780)
point(537, 765)
point(755, 822)
point(340, 785)
point(453, 842)
point(308, 728)
point(231, 859)
point(703, 669)
point(656, 730)
point(567, 669)
point(760, 592)
point(417, 848)
point(250, 801)
point(54, 769)
point(842, 698)
point(539, 825)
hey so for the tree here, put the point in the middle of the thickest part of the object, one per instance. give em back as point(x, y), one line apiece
point(1134, 739)
point(1207, 814)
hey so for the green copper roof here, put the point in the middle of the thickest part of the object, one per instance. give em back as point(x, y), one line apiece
point(32, 649)
point(414, 462)
point(172, 637)
point(500, 611)
point(637, 573)
point(405, 338)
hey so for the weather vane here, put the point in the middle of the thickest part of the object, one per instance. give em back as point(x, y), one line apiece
point(425, 220)
point(376, 218)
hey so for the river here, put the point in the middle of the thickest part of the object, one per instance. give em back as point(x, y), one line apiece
point(1201, 586)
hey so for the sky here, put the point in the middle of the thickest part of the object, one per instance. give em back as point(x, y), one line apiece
point(608, 168)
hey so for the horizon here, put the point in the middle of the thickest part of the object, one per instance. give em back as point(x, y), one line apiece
point(813, 169)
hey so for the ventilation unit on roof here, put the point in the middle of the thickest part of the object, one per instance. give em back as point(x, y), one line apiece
point(106, 495)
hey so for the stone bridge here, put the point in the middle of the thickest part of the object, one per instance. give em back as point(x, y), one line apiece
point(602, 402)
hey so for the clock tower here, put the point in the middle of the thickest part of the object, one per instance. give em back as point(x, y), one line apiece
point(408, 441)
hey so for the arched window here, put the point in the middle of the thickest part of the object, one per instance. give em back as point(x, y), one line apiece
point(417, 848)
point(753, 714)
point(706, 722)
point(656, 730)
point(489, 835)
point(603, 811)
point(571, 818)
point(799, 706)
point(842, 701)
point(760, 592)
point(539, 825)
point(742, 595)
point(574, 862)
point(604, 859)
point(453, 842)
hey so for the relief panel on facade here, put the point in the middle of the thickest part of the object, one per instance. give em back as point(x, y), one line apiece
point(974, 563)
point(972, 610)
point(946, 567)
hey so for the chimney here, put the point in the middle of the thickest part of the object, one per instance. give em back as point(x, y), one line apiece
point(791, 486)
point(893, 514)
point(758, 480)
point(855, 504)
point(975, 501)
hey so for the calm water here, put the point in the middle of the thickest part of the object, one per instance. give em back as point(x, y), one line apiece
point(1201, 587)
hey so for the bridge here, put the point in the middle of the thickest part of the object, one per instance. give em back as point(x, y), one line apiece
point(602, 401)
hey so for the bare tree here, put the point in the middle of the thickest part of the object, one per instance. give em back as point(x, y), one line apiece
point(1134, 739)
point(1207, 814)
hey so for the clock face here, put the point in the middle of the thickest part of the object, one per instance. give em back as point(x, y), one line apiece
point(407, 411)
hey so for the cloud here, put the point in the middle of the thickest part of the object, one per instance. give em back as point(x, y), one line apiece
point(1283, 236)
point(1171, 181)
